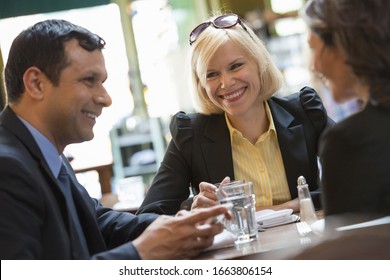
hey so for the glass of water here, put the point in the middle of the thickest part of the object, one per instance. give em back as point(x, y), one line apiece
point(241, 199)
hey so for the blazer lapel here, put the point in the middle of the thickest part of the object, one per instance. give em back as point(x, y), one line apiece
point(216, 148)
point(293, 149)
point(86, 213)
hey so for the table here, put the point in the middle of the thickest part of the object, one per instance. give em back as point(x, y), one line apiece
point(349, 237)
point(274, 243)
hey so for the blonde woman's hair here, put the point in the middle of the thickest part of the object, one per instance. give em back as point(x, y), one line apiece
point(208, 42)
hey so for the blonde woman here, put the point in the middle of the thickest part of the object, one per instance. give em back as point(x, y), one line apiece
point(240, 130)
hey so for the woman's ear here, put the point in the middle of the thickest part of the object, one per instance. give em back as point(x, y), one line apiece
point(34, 82)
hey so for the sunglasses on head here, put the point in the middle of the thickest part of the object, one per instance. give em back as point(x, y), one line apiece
point(221, 22)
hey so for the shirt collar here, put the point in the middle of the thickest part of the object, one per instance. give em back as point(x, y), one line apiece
point(271, 127)
point(47, 148)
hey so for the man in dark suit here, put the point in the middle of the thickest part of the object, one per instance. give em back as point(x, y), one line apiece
point(54, 78)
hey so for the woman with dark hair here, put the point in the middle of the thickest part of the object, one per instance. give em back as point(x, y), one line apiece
point(350, 42)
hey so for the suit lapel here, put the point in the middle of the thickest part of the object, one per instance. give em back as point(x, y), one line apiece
point(86, 212)
point(216, 149)
point(292, 147)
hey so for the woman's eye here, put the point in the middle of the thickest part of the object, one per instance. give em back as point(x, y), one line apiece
point(236, 66)
point(211, 75)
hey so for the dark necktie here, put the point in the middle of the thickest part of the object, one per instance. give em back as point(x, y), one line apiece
point(80, 249)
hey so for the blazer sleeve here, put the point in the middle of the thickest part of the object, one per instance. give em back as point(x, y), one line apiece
point(315, 110)
point(317, 114)
point(300, 119)
point(118, 230)
point(126, 251)
point(171, 185)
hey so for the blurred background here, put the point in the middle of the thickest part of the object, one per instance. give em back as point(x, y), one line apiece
point(146, 54)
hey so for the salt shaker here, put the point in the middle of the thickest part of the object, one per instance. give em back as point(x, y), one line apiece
point(307, 211)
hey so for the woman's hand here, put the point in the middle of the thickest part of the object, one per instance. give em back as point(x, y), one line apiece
point(207, 195)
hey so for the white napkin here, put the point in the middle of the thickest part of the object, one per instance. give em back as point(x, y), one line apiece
point(270, 218)
point(318, 227)
point(223, 239)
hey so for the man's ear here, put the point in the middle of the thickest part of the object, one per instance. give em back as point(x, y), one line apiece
point(34, 82)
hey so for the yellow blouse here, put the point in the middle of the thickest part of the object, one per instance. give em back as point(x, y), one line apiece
point(261, 164)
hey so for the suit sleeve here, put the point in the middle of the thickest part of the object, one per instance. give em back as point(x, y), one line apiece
point(119, 229)
point(123, 252)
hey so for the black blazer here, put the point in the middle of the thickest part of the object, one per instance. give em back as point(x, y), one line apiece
point(355, 156)
point(200, 150)
point(33, 217)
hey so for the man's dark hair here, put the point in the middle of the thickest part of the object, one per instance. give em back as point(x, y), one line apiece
point(42, 46)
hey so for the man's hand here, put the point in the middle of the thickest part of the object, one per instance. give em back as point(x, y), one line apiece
point(183, 236)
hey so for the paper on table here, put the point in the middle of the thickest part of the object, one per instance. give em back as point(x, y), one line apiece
point(223, 239)
point(270, 218)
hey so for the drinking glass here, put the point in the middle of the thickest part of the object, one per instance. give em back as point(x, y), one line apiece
point(240, 197)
